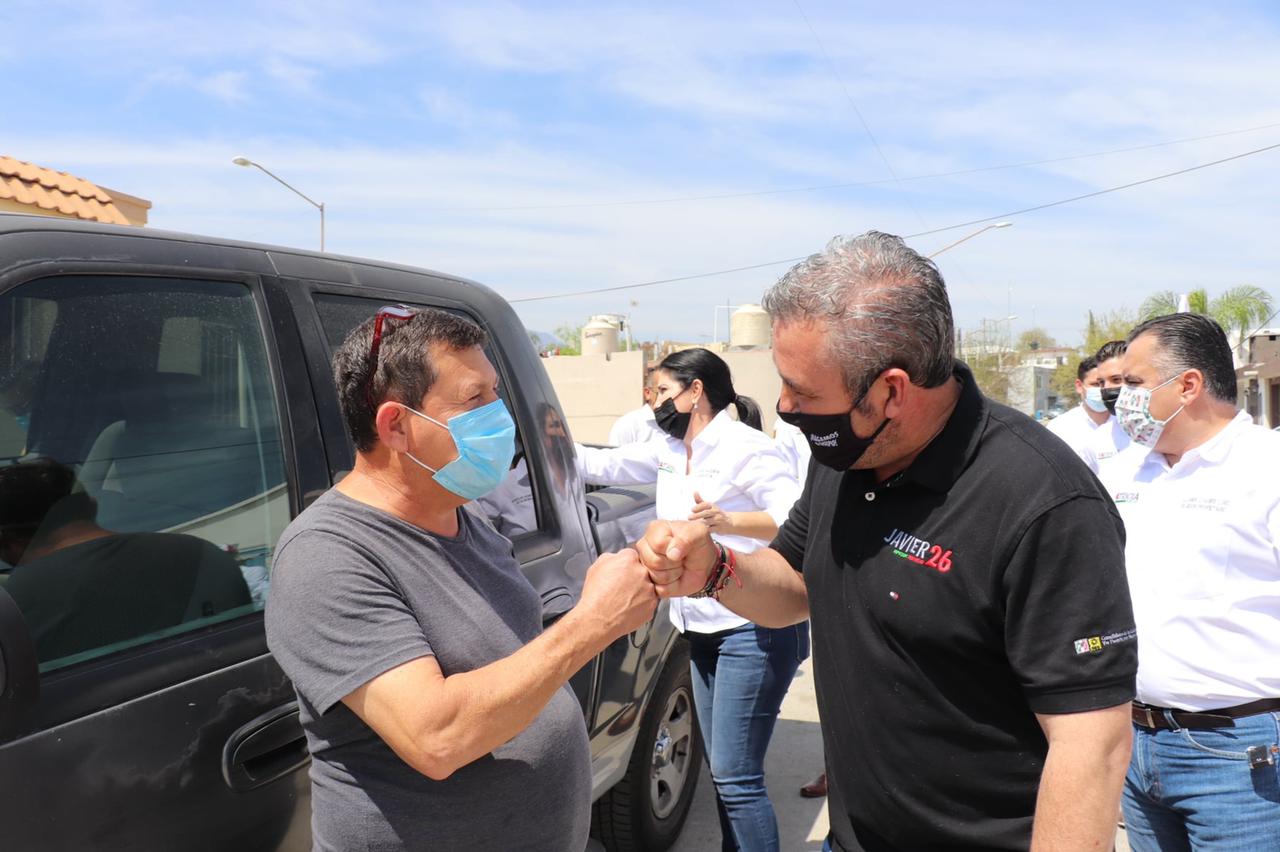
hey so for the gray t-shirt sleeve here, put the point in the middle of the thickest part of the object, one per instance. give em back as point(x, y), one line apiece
point(336, 620)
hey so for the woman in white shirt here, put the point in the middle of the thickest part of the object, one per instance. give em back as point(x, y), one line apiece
point(731, 476)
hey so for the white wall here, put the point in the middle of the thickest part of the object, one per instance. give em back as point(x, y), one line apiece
point(595, 390)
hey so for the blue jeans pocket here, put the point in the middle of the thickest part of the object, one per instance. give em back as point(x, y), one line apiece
point(1212, 742)
point(1233, 743)
point(803, 648)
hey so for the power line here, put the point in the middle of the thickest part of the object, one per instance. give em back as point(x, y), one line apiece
point(967, 224)
point(831, 67)
point(679, 199)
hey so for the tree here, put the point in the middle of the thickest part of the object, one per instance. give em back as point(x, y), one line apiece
point(1242, 308)
point(1113, 325)
point(1236, 309)
point(570, 337)
point(1035, 338)
point(989, 375)
point(1063, 381)
point(1166, 302)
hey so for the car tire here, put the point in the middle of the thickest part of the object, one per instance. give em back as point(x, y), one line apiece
point(645, 811)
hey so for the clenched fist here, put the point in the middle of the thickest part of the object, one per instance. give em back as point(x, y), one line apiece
point(679, 555)
point(618, 588)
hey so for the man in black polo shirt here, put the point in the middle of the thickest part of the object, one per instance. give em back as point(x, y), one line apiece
point(974, 649)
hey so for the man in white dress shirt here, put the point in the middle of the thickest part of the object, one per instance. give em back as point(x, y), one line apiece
point(638, 424)
point(1199, 491)
point(1076, 427)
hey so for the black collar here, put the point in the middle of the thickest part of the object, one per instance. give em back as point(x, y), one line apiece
point(942, 461)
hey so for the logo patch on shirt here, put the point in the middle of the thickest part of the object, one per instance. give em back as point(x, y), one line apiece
point(1095, 644)
point(1125, 497)
point(914, 549)
point(1206, 504)
point(666, 467)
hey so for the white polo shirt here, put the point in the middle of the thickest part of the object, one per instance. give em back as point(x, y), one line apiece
point(733, 466)
point(1106, 442)
point(793, 444)
point(1203, 560)
point(636, 425)
point(1075, 427)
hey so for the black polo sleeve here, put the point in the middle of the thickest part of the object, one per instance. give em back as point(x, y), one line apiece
point(1069, 628)
point(793, 535)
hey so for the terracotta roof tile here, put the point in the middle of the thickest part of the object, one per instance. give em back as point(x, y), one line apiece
point(27, 183)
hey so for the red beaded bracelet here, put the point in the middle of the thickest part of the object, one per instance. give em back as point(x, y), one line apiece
point(725, 567)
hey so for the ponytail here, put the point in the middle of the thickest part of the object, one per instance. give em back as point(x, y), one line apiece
point(748, 411)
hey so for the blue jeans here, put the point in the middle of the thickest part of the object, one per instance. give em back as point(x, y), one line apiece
point(1194, 789)
point(740, 677)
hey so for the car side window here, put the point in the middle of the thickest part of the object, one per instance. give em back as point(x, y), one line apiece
point(142, 483)
point(512, 507)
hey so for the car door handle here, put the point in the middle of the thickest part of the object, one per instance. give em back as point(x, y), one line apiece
point(269, 747)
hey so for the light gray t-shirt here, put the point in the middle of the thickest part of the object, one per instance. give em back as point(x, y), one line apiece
point(356, 592)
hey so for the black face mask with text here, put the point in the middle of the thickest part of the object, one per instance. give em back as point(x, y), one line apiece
point(1109, 397)
point(831, 436)
point(674, 423)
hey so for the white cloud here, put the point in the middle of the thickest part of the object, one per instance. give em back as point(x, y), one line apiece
point(226, 86)
point(720, 100)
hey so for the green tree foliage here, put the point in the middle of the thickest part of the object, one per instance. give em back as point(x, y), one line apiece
point(1236, 309)
point(1166, 302)
point(1063, 382)
point(1242, 308)
point(570, 337)
point(990, 375)
point(1103, 328)
point(1035, 338)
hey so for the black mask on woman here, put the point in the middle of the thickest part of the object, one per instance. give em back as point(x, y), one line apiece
point(831, 436)
point(674, 423)
point(1109, 397)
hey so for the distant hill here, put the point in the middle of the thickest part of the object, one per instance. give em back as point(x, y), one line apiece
point(542, 340)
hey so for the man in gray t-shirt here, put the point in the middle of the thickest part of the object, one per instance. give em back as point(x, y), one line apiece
point(436, 709)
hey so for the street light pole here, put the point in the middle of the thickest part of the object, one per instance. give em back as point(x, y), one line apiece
point(971, 236)
point(319, 205)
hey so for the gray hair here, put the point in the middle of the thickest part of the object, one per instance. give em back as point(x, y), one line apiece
point(884, 306)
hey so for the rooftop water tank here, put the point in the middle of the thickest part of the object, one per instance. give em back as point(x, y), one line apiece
point(749, 328)
point(599, 337)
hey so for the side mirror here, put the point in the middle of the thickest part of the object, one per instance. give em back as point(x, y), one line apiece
point(19, 669)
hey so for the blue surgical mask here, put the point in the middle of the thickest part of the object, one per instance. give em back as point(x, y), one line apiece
point(1093, 399)
point(485, 438)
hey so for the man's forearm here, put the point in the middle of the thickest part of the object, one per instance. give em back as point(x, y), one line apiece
point(772, 592)
point(1079, 798)
point(484, 708)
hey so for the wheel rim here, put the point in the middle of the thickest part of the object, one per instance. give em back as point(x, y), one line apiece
point(672, 751)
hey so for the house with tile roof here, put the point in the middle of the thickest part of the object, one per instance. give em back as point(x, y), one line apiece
point(28, 188)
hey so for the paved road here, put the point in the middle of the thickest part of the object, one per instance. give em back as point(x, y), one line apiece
point(795, 758)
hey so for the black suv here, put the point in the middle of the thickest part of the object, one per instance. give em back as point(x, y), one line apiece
point(182, 384)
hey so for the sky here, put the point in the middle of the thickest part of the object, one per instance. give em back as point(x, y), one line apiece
point(548, 148)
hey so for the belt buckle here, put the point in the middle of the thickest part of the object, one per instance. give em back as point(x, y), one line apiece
point(1150, 714)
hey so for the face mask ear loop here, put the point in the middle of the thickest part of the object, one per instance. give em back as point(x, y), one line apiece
point(428, 418)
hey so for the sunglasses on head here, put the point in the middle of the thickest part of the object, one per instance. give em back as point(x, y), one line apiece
point(396, 312)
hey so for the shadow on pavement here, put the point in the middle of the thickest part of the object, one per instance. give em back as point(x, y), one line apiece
point(794, 758)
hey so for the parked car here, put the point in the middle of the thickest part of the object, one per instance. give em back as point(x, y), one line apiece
point(185, 382)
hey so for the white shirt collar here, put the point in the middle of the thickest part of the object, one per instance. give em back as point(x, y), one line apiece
point(713, 431)
point(1212, 451)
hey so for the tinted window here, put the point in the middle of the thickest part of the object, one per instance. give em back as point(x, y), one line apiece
point(512, 507)
point(142, 483)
